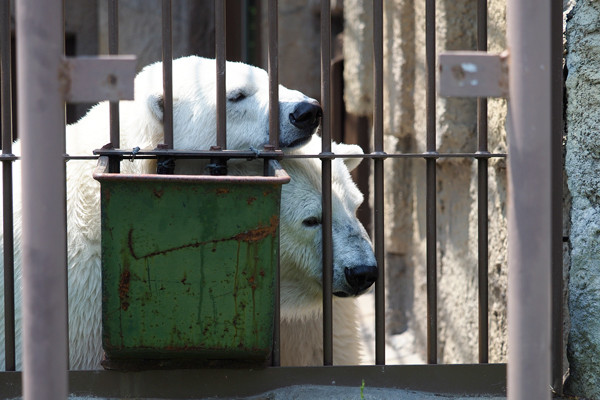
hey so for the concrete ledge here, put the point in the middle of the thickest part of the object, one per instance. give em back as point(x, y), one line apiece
point(465, 379)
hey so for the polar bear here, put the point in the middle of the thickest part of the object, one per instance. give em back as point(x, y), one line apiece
point(194, 104)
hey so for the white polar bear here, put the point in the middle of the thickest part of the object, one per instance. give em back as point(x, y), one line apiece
point(194, 128)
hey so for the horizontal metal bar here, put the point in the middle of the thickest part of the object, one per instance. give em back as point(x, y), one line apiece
point(92, 79)
point(473, 74)
point(278, 154)
point(177, 384)
point(250, 154)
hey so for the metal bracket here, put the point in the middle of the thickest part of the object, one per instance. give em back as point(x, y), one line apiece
point(473, 74)
point(93, 79)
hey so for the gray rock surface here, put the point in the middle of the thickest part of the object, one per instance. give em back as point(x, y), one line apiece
point(583, 174)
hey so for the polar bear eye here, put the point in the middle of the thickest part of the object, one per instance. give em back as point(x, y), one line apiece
point(236, 96)
point(311, 222)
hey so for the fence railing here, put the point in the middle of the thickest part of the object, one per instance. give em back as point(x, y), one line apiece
point(534, 228)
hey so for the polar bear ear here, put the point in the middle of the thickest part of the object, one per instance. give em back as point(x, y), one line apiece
point(156, 104)
point(342, 148)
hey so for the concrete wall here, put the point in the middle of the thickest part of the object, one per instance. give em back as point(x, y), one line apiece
point(583, 176)
point(140, 29)
point(404, 126)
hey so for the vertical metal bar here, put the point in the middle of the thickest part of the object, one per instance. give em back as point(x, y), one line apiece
point(41, 122)
point(378, 181)
point(273, 67)
point(167, 60)
point(7, 186)
point(431, 219)
point(244, 35)
point(482, 194)
point(113, 48)
point(557, 195)
point(220, 53)
point(326, 183)
point(530, 215)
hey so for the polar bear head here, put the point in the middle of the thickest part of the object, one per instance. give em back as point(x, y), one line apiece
point(194, 106)
point(354, 264)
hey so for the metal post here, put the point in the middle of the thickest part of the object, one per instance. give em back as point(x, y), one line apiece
point(7, 185)
point(273, 66)
point(220, 55)
point(41, 122)
point(326, 183)
point(167, 60)
point(482, 195)
point(557, 195)
point(431, 186)
point(378, 182)
point(530, 199)
point(113, 48)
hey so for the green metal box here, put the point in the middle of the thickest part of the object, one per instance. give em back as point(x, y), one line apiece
point(188, 267)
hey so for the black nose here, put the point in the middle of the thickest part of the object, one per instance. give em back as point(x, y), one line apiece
point(360, 278)
point(306, 115)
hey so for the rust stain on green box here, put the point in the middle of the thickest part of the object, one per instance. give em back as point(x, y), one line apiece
point(188, 265)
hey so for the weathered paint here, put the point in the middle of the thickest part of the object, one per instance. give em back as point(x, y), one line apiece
point(188, 267)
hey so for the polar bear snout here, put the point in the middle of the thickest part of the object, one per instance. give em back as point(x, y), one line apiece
point(359, 279)
point(307, 115)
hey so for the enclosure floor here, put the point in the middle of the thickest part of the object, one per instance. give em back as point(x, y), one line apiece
point(345, 393)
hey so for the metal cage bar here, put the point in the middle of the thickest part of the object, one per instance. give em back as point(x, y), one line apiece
point(113, 48)
point(7, 185)
point(557, 193)
point(220, 55)
point(531, 141)
point(378, 182)
point(482, 195)
point(326, 183)
point(167, 65)
point(431, 196)
point(273, 67)
point(40, 43)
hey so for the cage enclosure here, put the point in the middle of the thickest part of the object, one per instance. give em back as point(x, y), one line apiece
point(188, 268)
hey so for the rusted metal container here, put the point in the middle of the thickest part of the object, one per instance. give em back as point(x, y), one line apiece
point(188, 267)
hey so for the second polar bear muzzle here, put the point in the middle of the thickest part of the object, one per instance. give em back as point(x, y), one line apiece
point(305, 117)
point(359, 279)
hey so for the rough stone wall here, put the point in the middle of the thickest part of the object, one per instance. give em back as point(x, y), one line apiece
point(404, 126)
point(583, 176)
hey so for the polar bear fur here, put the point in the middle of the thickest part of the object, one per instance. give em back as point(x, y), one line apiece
point(194, 128)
